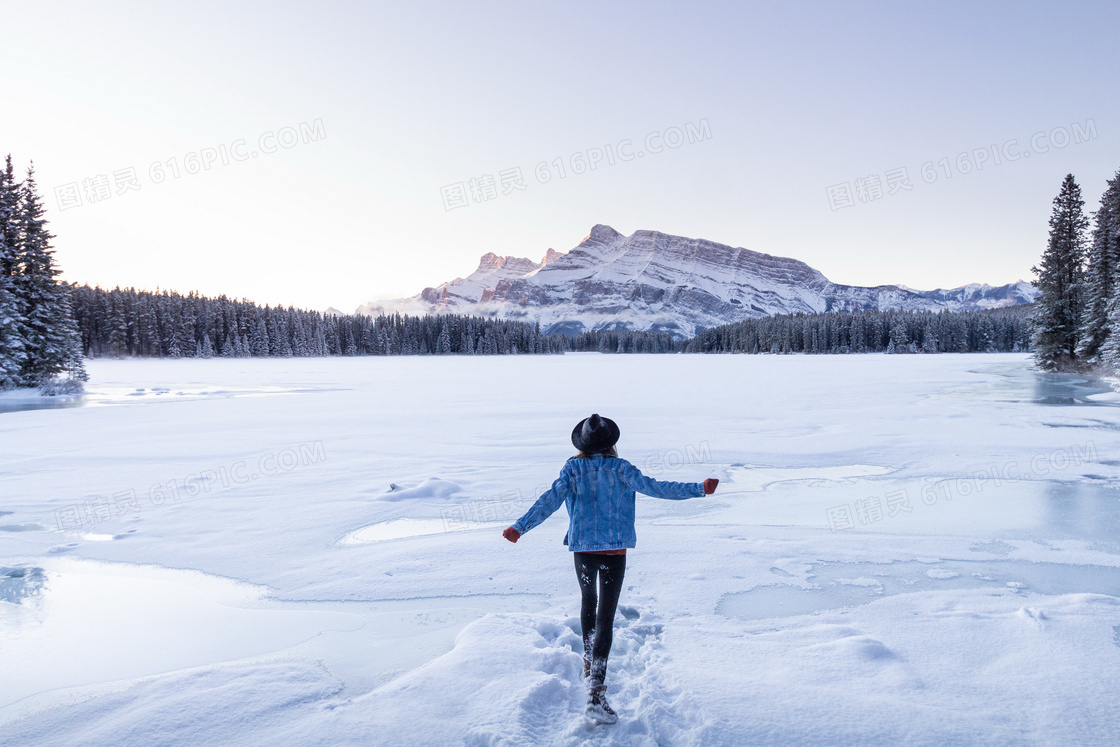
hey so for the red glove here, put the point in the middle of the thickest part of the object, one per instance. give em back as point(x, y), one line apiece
point(511, 534)
point(710, 485)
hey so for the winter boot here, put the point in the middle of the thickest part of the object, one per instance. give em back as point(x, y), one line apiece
point(586, 668)
point(597, 707)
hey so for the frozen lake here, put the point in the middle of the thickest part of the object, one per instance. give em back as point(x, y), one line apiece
point(903, 549)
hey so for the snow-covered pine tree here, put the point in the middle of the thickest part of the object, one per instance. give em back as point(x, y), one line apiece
point(899, 340)
point(274, 332)
point(985, 336)
point(259, 344)
point(118, 329)
point(304, 342)
point(1107, 244)
point(443, 342)
point(929, 338)
point(52, 342)
point(1061, 282)
point(1109, 355)
point(1106, 236)
point(12, 355)
point(150, 329)
point(1103, 265)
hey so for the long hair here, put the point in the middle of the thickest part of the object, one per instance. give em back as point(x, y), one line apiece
point(611, 452)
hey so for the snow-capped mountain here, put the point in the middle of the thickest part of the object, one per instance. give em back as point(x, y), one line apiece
point(655, 281)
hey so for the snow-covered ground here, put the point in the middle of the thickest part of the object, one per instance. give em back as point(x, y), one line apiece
point(902, 550)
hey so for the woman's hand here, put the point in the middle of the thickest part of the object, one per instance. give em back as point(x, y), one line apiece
point(511, 534)
point(710, 485)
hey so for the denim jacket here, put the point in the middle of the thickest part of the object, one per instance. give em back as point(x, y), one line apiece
point(599, 495)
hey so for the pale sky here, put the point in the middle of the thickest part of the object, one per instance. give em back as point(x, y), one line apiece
point(402, 100)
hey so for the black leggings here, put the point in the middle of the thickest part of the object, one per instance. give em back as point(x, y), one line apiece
point(596, 615)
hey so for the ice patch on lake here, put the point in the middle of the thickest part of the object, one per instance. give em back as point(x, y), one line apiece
point(1013, 383)
point(830, 586)
point(401, 528)
point(81, 622)
point(29, 399)
point(37, 402)
point(18, 584)
point(22, 528)
point(750, 478)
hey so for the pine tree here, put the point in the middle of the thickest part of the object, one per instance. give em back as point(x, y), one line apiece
point(1061, 282)
point(899, 340)
point(1109, 353)
point(985, 336)
point(118, 330)
point(1106, 235)
point(259, 344)
point(1104, 263)
point(443, 343)
point(12, 354)
point(929, 339)
point(53, 345)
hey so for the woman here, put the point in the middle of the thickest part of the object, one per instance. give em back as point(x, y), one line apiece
point(598, 489)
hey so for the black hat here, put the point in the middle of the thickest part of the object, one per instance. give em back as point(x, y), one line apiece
point(594, 434)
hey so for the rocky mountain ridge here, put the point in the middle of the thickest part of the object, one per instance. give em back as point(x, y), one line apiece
point(656, 281)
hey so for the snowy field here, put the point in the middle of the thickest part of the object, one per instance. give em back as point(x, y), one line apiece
point(919, 550)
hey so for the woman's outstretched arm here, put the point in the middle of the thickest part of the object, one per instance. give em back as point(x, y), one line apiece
point(639, 483)
point(545, 506)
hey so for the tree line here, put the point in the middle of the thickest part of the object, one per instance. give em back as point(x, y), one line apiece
point(164, 324)
point(1003, 330)
point(1076, 325)
point(38, 338)
point(624, 341)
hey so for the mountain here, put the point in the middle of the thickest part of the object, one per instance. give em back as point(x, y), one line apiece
point(655, 281)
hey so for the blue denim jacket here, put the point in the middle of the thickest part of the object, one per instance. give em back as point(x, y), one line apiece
point(599, 495)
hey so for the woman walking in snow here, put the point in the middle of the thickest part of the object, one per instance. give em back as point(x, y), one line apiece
point(598, 487)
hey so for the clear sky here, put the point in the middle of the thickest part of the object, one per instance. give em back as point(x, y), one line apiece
point(803, 117)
